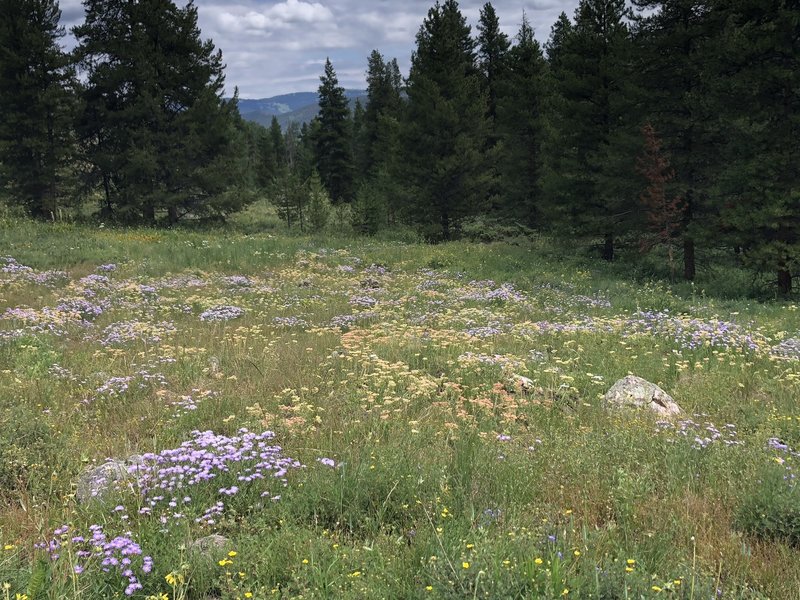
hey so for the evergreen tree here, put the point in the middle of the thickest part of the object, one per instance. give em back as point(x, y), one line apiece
point(663, 214)
point(359, 151)
point(757, 62)
point(382, 113)
point(447, 126)
point(36, 103)
point(277, 143)
point(670, 70)
point(333, 138)
point(380, 137)
point(520, 123)
point(587, 114)
point(493, 47)
point(319, 204)
point(154, 127)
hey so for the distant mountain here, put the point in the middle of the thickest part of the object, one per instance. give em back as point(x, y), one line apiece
point(300, 107)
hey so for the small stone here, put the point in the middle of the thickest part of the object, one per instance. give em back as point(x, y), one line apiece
point(520, 383)
point(211, 543)
point(638, 393)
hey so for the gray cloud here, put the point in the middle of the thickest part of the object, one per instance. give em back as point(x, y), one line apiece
point(279, 46)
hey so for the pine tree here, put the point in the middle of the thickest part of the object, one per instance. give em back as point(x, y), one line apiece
point(319, 204)
point(520, 123)
point(333, 138)
point(757, 59)
point(446, 128)
point(588, 115)
point(154, 127)
point(663, 214)
point(277, 143)
point(358, 141)
point(670, 38)
point(37, 104)
point(382, 112)
point(493, 48)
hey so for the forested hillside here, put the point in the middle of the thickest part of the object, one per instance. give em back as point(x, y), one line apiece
point(667, 127)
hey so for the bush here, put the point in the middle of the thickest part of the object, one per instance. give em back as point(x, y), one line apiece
point(771, 508)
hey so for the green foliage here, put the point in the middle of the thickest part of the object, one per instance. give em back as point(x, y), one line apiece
point(493, 49)
point(770, 508)
point(369, 210)
point(154, 128)
point(588, 119)
point(332, 138)
point(319, 205)
point(521, 114)
point(759, 197)
point(446, 125)
point(37, 104)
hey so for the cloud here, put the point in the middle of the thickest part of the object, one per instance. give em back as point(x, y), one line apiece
point(282, 16)
point(273, 47)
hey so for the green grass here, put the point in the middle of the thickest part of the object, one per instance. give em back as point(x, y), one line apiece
point(449, 481)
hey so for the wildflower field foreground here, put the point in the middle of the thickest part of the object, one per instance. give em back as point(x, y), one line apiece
point(351, 417)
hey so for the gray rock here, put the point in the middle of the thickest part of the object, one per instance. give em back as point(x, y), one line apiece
point(211, 543)
point(520, 383)
point(97, 482)
point(635, 392)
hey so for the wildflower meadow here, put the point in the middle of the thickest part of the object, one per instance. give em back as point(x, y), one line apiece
point(266, 416)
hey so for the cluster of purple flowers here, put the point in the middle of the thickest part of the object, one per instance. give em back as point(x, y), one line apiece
point(374, 269)
point(289, 322)
point(486, 291)
point(237, 281)
point(143, 378)
point(363, 301)
point(595, 301)
point(190, 402)
point(13, 267)
point(786, 456)
point(107, 268)
point(691, 333)
point(702, 435)
point(19, 272)
point(788, 348)
point(221, 313)
point(486, 331)
point(123, 332)
point(94, 280)
point(119, 555)
point(491, 360)
point(238, 462)
point(84, 309)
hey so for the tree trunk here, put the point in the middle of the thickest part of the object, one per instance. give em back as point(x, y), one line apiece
point(608, 247)
point(173, 214)
point(689, 270)
point(784, 281)
point(149, 214)
point(445, 226)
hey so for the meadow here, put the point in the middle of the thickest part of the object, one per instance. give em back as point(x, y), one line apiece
point(348, 414)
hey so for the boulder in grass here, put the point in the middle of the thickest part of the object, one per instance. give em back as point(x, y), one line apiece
point(638, 393)
point(98, 481)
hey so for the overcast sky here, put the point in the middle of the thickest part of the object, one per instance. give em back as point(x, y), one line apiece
point(274, 47)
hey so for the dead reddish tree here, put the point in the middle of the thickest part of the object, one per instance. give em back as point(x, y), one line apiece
point(663, 214)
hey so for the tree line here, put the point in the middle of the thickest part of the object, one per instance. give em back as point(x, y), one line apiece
point(670, 124)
